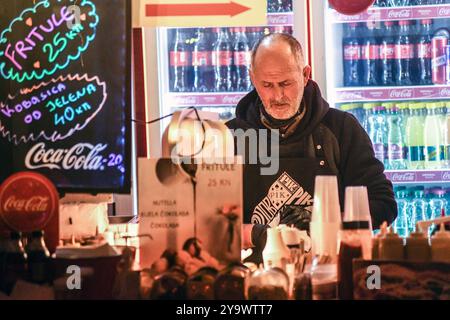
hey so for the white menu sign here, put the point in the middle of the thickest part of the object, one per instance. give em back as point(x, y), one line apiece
point(178, 203)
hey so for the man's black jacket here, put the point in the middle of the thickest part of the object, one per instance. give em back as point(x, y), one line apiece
point(347, 148)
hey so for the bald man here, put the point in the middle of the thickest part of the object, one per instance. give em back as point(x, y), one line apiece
point(314, 139)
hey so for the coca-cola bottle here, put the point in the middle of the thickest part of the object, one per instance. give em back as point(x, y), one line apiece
point(202, 63)
point(14, 264)
point(287, 5)
point(387, 54)
point(424, 53)
point(179, 62)
point(222, 61)
point(39, 268)
point(191, 40)
point(352, 55)
point(370, 56)
point(380, 3)
point(232, 39)
point(242, 56)
point(275, 6)
point(256, 34)
point(399, 3)
point(404, 55)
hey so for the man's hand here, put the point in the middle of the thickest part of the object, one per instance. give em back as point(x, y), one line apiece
point(296, 216)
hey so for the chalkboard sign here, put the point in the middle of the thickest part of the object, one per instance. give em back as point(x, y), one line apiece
point(65, 92)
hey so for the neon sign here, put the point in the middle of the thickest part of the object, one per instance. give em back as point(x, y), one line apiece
point(51, 42)
point(69, 102)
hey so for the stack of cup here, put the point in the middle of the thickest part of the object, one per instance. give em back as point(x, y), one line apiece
point(326, 218)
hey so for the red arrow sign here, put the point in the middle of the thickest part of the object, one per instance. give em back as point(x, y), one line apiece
point(195, 9)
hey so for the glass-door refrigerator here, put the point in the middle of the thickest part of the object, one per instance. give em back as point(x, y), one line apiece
point(390, 68)
point(209, 67)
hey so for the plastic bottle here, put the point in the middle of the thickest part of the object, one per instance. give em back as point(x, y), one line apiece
point(378, 133)
point(275, 6)
point(417, 248)
point(349, 107)
point(423, 49)
point(352, 55)
point(437, 204)
point(432, 137)
point(387, 54)
point(396, 160)
point(368, 112)
point(179, 62)
point(222, 62)
point(391, 247)
point(202, 64)
point(376, 241)
point(419, 208)
point(359, 112)
point(442, 114)
point(404, 54)
point(242, 57)
point(446, 135)
point(401, 223)
point(403, 110)
point(415, 136)
point(370, 56)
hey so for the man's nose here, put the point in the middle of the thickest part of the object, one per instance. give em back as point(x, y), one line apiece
point(278, 93)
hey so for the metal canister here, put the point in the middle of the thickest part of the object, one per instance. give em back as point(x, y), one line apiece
point(439, 60)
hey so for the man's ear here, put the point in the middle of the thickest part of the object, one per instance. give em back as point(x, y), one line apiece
point(306, 74)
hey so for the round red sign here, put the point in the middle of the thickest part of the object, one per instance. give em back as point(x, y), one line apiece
point(351, 7)
point(28, 201)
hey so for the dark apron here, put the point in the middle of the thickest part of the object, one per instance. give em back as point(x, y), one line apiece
point(265, 197)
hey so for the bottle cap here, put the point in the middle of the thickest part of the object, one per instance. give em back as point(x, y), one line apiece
point(417, 235)
point(388, 105)
point(367, 106)
point(345, 107)
point(402, 106)
point(426, 21)
point(441, 233)
point(391, 234)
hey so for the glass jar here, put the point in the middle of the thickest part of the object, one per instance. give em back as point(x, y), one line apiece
point(268, 284)
point(200, 286)
point(171, 285)
point(231, 283)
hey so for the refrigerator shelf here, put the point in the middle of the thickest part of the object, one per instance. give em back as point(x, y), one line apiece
point(204, 99)
point(355, 94)
point(418, 176)
point(394, 14)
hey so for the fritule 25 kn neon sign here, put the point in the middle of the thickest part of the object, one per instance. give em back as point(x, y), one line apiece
point(57, 33)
